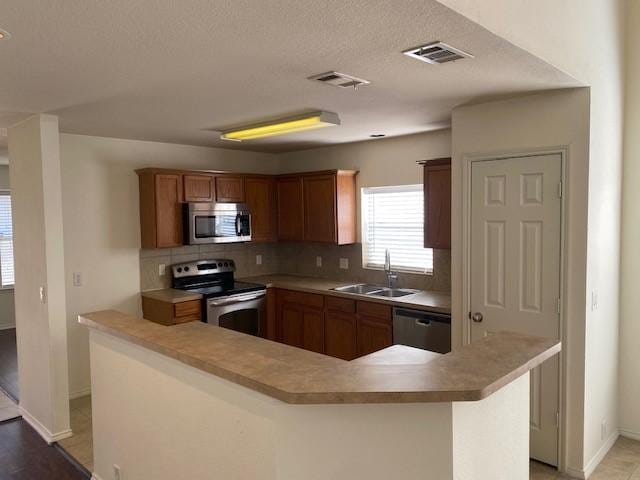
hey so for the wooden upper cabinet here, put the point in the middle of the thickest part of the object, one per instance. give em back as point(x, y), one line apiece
point(437, 204)
point(230, 189)
point(160, 209)
point(320, 208)
point(290, 208)
point(198, 188)
point(260, 196)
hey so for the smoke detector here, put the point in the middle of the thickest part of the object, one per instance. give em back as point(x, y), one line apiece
point(437, 52)
point(341, 80)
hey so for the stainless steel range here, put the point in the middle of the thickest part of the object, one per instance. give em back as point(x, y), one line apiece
point(235, 305)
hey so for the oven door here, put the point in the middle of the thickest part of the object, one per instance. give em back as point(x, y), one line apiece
point(243, 312)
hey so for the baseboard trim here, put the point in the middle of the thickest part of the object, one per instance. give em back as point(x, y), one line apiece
point(95, 476)
point(80, 393)
point(597, 458)
point(44, 431)
point(631, 435)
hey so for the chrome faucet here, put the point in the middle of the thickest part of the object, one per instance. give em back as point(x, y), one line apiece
point(391, 276)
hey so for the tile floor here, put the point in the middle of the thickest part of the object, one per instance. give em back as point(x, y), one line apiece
point(621, 463)
point(8, 409)
point(80, 445)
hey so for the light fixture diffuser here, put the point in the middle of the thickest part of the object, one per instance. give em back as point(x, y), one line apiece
point(284, 126)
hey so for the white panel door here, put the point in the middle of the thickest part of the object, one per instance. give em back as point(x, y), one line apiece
point(515, 240)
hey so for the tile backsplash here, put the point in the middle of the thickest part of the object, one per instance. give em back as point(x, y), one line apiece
point(293, 259)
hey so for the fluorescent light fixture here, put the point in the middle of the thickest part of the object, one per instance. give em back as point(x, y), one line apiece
point(300, 123)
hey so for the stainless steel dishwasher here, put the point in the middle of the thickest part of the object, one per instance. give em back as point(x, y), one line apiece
point(426, 330)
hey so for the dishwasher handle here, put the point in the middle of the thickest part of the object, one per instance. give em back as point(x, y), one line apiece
point(423, 319)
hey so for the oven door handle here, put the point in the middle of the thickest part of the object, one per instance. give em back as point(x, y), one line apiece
point(238, 299)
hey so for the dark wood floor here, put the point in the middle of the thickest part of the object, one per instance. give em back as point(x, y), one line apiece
point(24, 455)
point(9, 363)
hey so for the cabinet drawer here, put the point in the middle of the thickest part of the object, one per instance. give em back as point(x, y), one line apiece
point(375, 311)
point(189, 318)
point(306, 299)
point(185, 309)
point(338, 304)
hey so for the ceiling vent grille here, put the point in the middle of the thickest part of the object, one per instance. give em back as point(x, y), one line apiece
point(341, 80)
point(437, 52)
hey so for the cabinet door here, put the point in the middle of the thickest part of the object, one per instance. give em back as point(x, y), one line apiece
point(168, 195)
point(290, 208)
point(260, 197)
point(313, 330)
point(230, 189)
point(291, 325)
point(341, 335)
point(320, 208)
point(373, 334)
point(198, 188)
point(437, 205)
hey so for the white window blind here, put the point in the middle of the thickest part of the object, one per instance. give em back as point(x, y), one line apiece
point(6, 241)
point(393, 218)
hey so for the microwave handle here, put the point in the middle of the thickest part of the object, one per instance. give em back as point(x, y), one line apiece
point(238, 224)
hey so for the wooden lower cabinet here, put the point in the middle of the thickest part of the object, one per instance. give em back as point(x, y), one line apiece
point(169, 313)
point(341, 335)
point(336, 326)
point(300, 319)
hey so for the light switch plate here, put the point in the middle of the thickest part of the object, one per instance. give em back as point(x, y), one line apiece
point(318, 261)
point(258, 259)
point(77, 279)
point(344, 263)
point(594, 300)
point(162, 269)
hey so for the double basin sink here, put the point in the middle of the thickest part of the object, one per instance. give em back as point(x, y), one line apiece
point(376, 290)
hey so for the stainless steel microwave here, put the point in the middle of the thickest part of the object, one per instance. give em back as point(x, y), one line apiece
point(216, 223)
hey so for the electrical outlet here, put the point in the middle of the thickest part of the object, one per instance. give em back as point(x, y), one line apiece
point(117, 472)
point(344, 263)
point(42, 295)
point(162, 269)
point(77, 279)
point(318, 261)
point(258, 259)
point(594, 300)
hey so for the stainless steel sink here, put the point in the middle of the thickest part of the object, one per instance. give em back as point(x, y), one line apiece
point(393, 292)
point(362, 289)
point(375, 290)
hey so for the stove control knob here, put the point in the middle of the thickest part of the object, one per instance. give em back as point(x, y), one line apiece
point(226, 264)
point(186, 269)
point(219, 264)
point(179, 269)
point(231, 264)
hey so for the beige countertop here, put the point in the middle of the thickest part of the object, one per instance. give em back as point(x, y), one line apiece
point(171, 295)
point(298, 376)
point(424, 300)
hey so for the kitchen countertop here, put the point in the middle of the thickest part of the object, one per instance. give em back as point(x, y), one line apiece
point(297, 376)
point(171, 295)
point(424, 300)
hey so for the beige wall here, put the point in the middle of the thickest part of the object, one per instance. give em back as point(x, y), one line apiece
point(571, 35)
point(7, 309)
point(102, 225)
point(40, 289)
point(630, 300)
point(544, 121)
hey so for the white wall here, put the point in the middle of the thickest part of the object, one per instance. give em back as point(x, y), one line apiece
point(102, 224)
point(547, 120)
point(386, 161)
point(630, 300)
point(584, 38)
point(40, 289)
point(7, 309)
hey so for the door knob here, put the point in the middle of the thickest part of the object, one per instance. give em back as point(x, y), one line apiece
point(477, 317)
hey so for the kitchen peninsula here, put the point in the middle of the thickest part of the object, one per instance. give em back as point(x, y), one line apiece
point(220, 404)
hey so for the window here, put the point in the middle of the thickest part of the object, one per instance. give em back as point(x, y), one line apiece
point(393, 218)
point(6, 241)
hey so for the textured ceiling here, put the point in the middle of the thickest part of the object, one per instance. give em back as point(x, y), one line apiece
point(172, 71)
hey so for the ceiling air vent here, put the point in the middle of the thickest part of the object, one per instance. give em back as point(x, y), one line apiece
point(341, 80)
point(437, 52)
